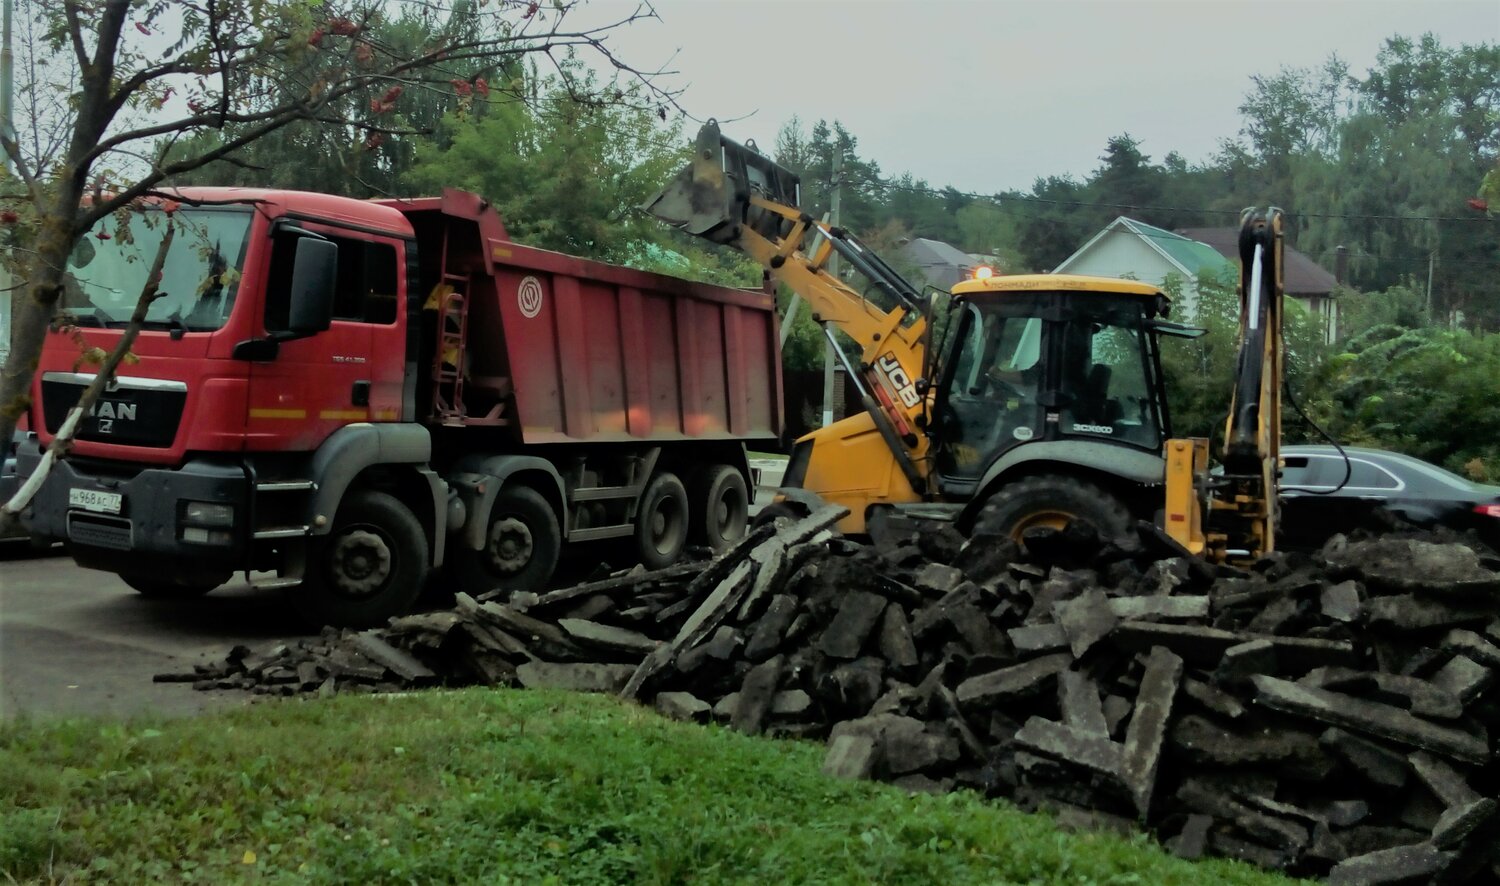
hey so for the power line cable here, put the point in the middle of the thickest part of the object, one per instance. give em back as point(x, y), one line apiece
point(1025, 198)
point(1169, 236)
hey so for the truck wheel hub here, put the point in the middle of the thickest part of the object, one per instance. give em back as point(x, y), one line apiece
point(510, 546)
point(664, 518)
point(1049, 518)
point(361, 563)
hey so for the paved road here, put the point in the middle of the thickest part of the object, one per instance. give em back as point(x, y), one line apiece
point(74, 641)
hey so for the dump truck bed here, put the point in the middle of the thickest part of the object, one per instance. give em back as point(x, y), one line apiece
point(593, 352)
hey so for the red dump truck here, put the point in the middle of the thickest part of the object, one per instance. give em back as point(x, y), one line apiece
point(352, 394)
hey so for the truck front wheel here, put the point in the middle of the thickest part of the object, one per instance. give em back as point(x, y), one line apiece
point(521, 545)
point(371, 567)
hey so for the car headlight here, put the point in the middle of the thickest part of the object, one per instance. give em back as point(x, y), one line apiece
point(208, 513)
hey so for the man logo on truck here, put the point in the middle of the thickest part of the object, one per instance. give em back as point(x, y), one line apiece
point(106, 409)
point(529, 297)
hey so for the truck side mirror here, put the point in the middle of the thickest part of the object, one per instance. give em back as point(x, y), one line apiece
point(315, 273)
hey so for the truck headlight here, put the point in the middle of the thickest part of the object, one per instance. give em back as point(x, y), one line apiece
point(207, 513)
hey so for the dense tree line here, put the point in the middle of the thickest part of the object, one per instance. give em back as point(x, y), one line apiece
point(1395, 164)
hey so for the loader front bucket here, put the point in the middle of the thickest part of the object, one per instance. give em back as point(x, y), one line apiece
point(710, 197)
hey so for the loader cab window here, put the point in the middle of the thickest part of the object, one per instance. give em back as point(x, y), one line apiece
point(992, 401)
point(367, 281)
point(1105, 380)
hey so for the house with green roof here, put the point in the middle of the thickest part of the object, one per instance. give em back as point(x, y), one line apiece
point(1129, 248)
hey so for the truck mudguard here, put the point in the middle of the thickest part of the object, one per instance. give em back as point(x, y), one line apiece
point(1137, 466)
point(439, 539)
point(350, 450)
point(502, 468)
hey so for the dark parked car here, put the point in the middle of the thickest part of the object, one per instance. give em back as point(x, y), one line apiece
point(1407, 487)
point(9, 482)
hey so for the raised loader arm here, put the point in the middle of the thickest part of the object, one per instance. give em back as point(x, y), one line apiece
point(733, 195)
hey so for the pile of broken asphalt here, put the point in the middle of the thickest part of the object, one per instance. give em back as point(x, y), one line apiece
point(1325, 714)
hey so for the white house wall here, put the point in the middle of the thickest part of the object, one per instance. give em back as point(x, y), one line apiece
point(1121, 253)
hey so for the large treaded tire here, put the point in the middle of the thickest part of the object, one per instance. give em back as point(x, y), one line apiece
point(661, 521)
point(369, 568)
point(1051, 500)
point(720, 507)
point(522, 545)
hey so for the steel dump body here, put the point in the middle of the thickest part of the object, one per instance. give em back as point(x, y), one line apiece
point(611, 353)
point(592, 352)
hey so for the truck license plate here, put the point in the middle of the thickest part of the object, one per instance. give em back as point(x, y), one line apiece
point(94, 500)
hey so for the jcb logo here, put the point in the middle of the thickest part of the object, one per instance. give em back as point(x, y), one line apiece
point(905, 390)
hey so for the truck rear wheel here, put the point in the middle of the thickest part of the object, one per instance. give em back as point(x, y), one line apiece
point(370, 568)
point(521, 545)
point(1052, 500)
point(721, 507)
point(661, 522)
point(160, 587)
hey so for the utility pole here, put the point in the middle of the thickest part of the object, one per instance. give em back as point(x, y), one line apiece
point(7, 84)
point(8, 129)
point(1341, 277)
point(835, 200)
point(1431, 264)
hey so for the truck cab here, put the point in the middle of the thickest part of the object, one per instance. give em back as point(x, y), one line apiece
point(281, 322)
point(351, 394)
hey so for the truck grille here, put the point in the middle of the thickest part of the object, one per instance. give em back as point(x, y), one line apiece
point(134, 412)
point(99, 532)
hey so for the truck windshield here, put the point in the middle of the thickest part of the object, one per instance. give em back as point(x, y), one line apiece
point(107, 270)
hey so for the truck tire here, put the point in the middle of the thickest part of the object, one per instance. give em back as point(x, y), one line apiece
point(521, 545)
point(160, 587)
point(721, 507)
point(661, 522)
point(370, 568)
point(1051, 500)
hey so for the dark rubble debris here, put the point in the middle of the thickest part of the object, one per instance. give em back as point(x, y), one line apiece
point(1327, 714)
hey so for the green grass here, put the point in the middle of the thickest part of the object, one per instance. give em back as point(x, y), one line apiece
point(502, 787)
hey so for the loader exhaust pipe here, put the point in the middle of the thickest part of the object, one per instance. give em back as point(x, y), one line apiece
point(710, 197)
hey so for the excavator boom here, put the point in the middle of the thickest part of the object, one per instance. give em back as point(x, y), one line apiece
point(731, 194)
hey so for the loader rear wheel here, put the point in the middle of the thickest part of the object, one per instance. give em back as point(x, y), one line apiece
point(721, 507)
point(521, 545)
point(1051, 500)
point(661, 522)
point(371, 567)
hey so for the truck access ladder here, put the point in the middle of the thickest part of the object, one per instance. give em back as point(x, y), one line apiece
point(452, 300)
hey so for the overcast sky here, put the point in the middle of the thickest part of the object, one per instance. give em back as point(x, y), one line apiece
point(989, 94)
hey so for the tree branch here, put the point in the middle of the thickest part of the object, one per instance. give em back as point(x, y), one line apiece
point(75, 33)
point(10, 510)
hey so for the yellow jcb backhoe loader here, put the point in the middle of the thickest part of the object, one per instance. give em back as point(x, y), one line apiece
point(1044, 401)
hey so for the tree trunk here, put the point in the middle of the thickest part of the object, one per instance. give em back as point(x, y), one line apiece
point(10, 510)
point(30, 314)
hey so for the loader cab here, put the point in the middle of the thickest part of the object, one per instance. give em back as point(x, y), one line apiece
point(1043, 358)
